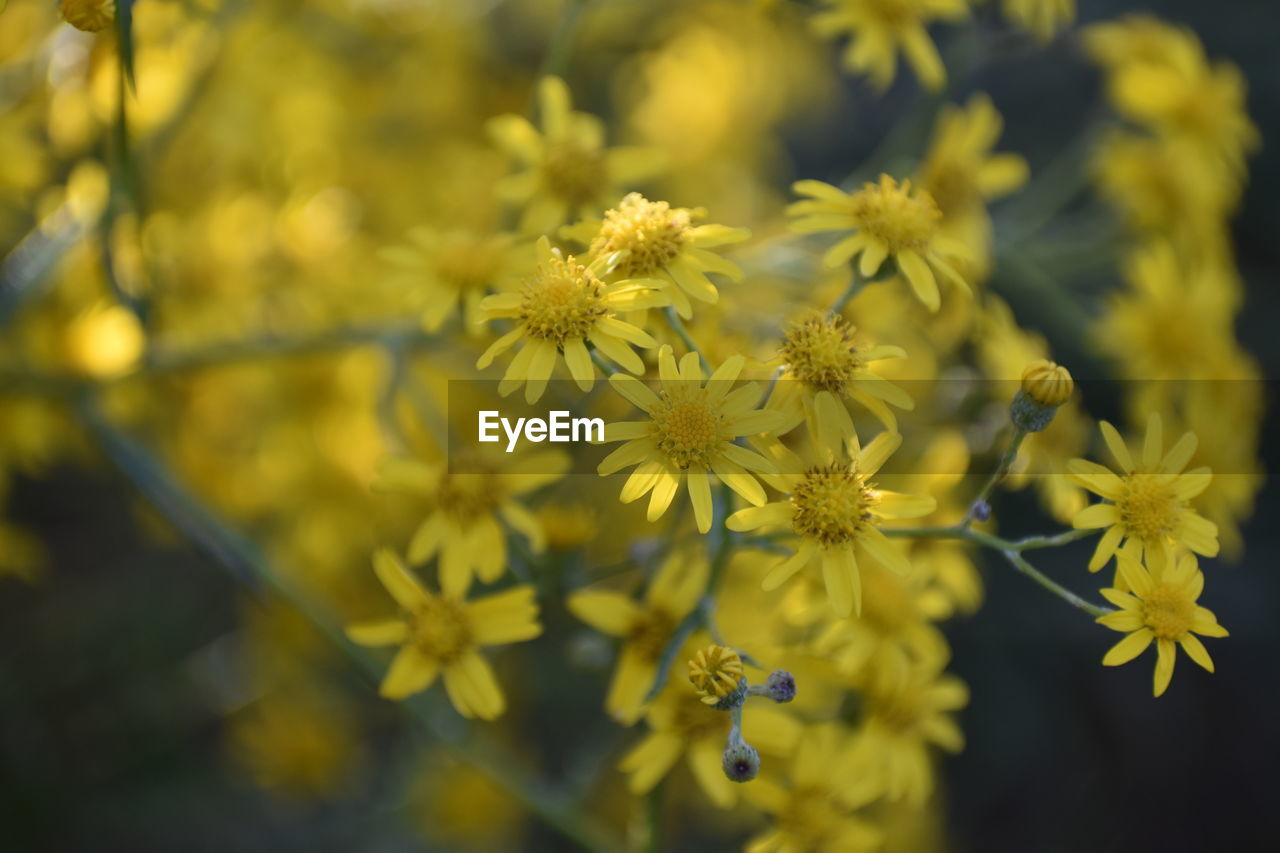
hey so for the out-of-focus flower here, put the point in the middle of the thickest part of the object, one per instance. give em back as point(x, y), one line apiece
point(561, 308)
point(1041, 18)
point(645, 628)
point(445, 268)
point(470, 500)
point(443, 633)
point(1161, 608)
point(818, 809)
point(88, 15)
point(888, 221)
point(105, 340)
point(879, 29)
point(834, 510)
point(1146, 507)
point(568, 172)
point(689, 436)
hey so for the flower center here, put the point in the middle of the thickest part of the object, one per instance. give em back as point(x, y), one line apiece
point(1148, 506)
point(891, 213)
point(687, 428)
point(1168, 612)
point(832, 504)
point(466, 263)
point(652, 233)
point(818, 351)
point(949, 184)
point(465, 497)
point(650, 633)
point(562, 301)
point(573, 173)
point(441, 629)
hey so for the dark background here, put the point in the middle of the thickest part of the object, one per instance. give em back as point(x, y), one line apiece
point(106, 742)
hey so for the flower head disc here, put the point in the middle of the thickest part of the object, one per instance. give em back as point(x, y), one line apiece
point(819, 351)
point(688, 427)
point(715, 672)
point(832, 504)
point(440, 629)
point(891, 213)
point(651, 233)
point(573, 172)
point(563, 300)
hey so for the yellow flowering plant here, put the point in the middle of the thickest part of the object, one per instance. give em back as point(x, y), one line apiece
point(282, 269)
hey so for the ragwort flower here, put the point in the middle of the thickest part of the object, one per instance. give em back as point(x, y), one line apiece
point(888, 221)
point(561, 308)
point(1146, 507)
point(1163, 610)
point(443, 633)
point(834, 510)
point(689, 436)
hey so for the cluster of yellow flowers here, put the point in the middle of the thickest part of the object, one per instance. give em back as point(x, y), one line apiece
point(275, 268)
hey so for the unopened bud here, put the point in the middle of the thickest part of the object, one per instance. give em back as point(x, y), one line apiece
point(741, 762)
point(980, 511)
point(1045, 387)
point(780, 686)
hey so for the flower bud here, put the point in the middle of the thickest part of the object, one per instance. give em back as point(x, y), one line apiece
point(780, 686)
point(980, 511)
point(1045, 387)
point(741, 762)
point(716, 674)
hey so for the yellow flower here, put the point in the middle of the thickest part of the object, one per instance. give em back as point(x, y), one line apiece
point(1162, 609)
point(888, 220)
point(834, 509)
point(680, 725)
point(960, 171)
point(821, 368)
point(901, 720)
point(444, 633)
point(1146, 506)
point(654, 240)
point(880, 28)
point(567, 170)
point(1041, 18)
point(472, 501)
point(105, 340)
point(561, 308)
point(645, 627)
point(689, 436)
point(89, 15)
point(715, 672)
point(817, 812)
point(443, 268)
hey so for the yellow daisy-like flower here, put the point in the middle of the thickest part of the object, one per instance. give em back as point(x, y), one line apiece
point(1146, 507)
point(689, 436)
point(880, 28)
point(821, 368)
point(888, 221)
point(470, 502)
point(960, 170)
point(817, 812)
point(443, 633)
point(644, 626)
point(654, 240)
point(561, 308)
point(678, 725)
point(568, 172)
point(445, 268)
point(1162, 610)
point(834, 509)
point(715, 672)
point(901, 720)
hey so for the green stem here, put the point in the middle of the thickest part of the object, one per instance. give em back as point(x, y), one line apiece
point(556, 62)
point(1012, 551)
point(677, 325)
point(245, 562)
point(856, 283)
point(1001, 471)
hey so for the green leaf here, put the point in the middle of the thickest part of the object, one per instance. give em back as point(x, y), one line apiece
point(124, 28)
